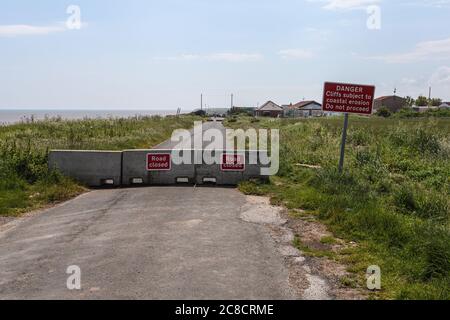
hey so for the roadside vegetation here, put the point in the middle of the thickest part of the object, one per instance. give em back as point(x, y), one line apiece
point(392, 199)
point(25, 181)
point(409, 113)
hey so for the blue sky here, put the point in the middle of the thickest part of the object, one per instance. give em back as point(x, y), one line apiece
point(140, 54)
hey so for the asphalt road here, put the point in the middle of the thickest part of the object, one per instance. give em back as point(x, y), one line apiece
point(146, 243)
point(210, 125)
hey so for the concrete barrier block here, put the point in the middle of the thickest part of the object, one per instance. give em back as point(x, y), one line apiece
point(154, 167)
point(92, 168)
point(207, 172)
point(136, 167)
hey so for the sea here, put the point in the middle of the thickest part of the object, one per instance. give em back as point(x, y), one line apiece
point(11, 116)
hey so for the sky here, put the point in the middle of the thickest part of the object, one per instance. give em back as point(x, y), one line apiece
point(141, 54)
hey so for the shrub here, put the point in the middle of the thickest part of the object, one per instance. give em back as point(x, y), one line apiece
point(384, 112)
point(425, 142)
point(435, 245)
point(405, 199)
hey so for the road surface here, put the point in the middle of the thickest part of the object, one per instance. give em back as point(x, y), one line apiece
point(210, 125)
point(143, 243)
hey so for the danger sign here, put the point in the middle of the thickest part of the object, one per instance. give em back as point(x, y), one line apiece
point(233, 162)
point(159, 161)
point(348, 98)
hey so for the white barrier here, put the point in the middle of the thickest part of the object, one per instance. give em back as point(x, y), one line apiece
point(92, 168)
point(158, 167)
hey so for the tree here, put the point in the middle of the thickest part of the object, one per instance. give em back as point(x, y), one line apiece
point(410, 101)
point(384, 112)
point(422, 101)
point(435, 102)
point(201, 113)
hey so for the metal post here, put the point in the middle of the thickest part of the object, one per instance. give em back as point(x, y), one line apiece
point(344, 140)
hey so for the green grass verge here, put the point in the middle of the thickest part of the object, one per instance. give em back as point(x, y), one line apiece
point(392, 199)
point(25, 181)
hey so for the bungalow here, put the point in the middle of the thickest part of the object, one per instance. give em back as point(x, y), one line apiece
point(444, 105)
point(304, 109)
point(269, 109)
point(392, 103)
point(422, 109)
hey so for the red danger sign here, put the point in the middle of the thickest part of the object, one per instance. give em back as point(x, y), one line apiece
point(348, 98)
point(233, 162)
point(159, 161)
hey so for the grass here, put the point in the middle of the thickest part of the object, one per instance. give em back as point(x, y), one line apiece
point(392, 199)
point(25, 181)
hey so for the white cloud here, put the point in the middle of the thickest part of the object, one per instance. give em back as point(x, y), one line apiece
point(235, 57)
point(408, 81)
point(295, 54)
point(17, 30)
point(441, 76)
point(223, 56)
point(430, 3)
point(346, 4)
point(415, 85)
point(438, 49)
point(27, 30)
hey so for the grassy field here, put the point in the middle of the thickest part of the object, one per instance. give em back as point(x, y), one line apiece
point(25, 181)
point(392, 199)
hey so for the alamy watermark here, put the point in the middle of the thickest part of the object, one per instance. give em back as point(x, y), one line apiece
point(374, 17)
point(373, 278)
point(73, 282)
point(260, 142)
point(73, 22)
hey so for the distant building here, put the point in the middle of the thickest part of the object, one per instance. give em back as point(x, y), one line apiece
point(421, 109)
point(304, 109)
point(445, 105)
point(392, 103)
point(269, 109)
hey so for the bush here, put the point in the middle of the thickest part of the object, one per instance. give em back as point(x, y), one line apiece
point(425, 142)
point(384, 112)
point(435, 245)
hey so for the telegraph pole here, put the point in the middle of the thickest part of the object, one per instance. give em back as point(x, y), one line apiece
point(429, 97)
point(201, 101)
point(232, 96)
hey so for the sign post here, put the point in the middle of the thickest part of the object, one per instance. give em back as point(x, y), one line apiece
point(344, 141)
point(347, 98)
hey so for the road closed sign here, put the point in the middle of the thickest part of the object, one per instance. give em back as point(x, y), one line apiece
point(233, 162)
point(348, 98)
point(159, 161)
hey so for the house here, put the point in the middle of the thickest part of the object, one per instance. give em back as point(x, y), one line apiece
point(269, 109)
point(392, 103)
point(304, 109)
point(422, 109)
point(445, 105)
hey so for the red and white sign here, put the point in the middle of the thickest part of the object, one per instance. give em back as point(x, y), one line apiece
point(159, 162)
point(233, 162)
point(348, 98)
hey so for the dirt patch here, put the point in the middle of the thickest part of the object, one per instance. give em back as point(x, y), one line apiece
point(259, 210)
point(313, 278)
point(5, 220)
